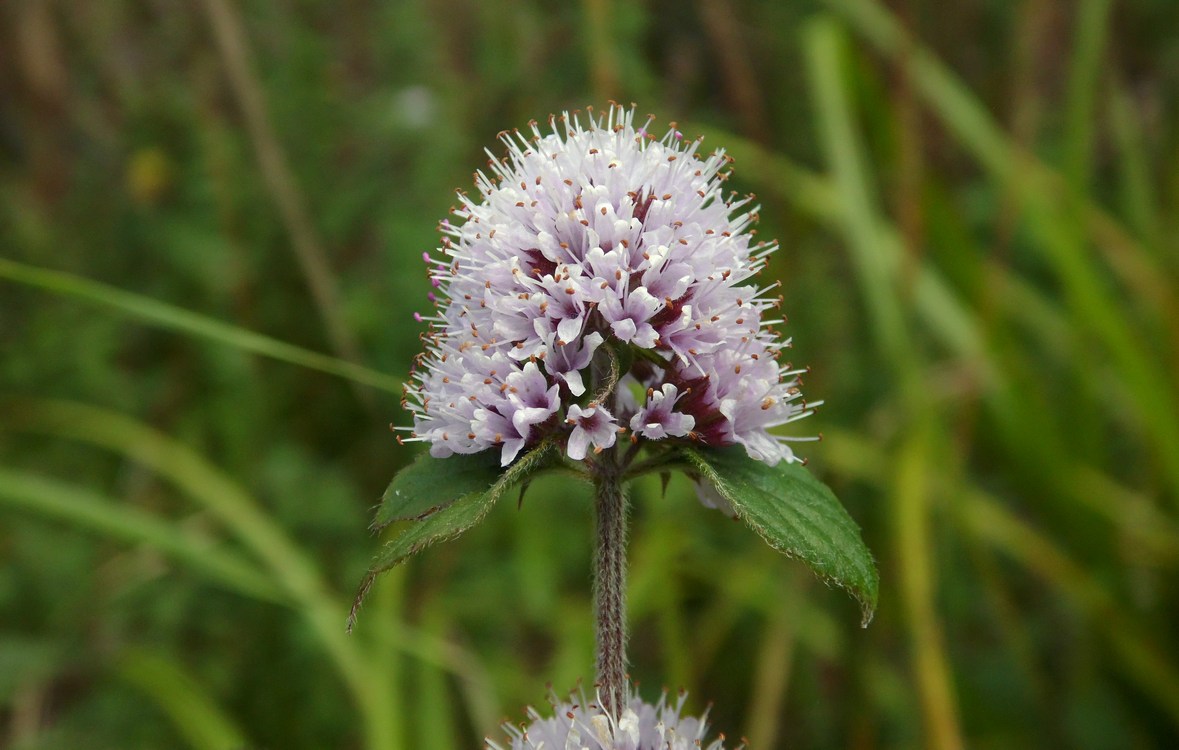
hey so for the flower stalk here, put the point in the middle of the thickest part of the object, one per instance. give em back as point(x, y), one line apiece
point(610, 580)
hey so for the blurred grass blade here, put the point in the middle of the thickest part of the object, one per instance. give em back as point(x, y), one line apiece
point(88, 510)
point(977, 130)
point(875, 270)
point(226, 500)
point(233, 43)
point(1092, 24)
point(1053, 219)
point(927, 642)
point(289, 566)
point(879, 277)
point(769, 682)
point(858, 217)
point(1028, 178)
point(984, 517)
point(169, 317)
point(194, 713)
point(435, 715)
point(1138, 196)
point(185, 468)
point(1140, 656)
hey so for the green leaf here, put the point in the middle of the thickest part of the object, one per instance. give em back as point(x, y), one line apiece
point(430, 484)
point(797, 515)
point(452, 520)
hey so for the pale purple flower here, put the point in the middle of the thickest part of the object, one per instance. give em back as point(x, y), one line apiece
point(531, 397)
point(592, 425)
point(592, 236)
point(657, 419)
point(630, 317)
point(582, 725)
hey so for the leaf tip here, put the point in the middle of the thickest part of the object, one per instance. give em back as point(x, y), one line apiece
point(361, 593)
point(867, 612)
point(869, 599)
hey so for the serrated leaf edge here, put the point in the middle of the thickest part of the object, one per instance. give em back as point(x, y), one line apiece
point(517, 472)
point(377, 525)
point(868, 601)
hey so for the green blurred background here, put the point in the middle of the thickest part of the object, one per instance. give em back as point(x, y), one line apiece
point(209, 209)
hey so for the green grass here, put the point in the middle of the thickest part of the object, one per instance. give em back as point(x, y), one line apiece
point(211, 222)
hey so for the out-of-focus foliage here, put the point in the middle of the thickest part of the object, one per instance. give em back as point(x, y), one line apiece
point(977, 204)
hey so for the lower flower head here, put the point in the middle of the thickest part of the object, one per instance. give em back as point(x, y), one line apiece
point(595, 241)
point(583, 725)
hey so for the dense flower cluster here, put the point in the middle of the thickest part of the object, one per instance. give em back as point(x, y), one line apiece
point(594, 237)
point(582, 725)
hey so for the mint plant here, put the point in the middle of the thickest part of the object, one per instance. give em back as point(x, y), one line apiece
point(598, 312)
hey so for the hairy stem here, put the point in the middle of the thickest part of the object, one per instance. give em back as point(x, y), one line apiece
point(610, 581)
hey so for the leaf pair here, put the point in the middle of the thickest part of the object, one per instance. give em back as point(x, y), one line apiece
point(791, 510)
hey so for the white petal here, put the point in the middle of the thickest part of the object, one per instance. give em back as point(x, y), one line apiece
point(578, 444)
point(646, 337)
point(568, 329)
point(510, 450)
point(606, 436)
point(641, 299)
point(573, 379)
point(523, 419)
point(575, 412)
point(625, 329)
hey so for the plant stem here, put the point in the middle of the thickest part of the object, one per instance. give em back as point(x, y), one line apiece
point(608, 469)
point(610, 581)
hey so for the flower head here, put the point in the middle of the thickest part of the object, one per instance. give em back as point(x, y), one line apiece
point(583, 725)
point(584, 242)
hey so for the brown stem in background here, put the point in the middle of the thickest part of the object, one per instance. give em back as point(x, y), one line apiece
point(276, 172)
point(741, 82)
